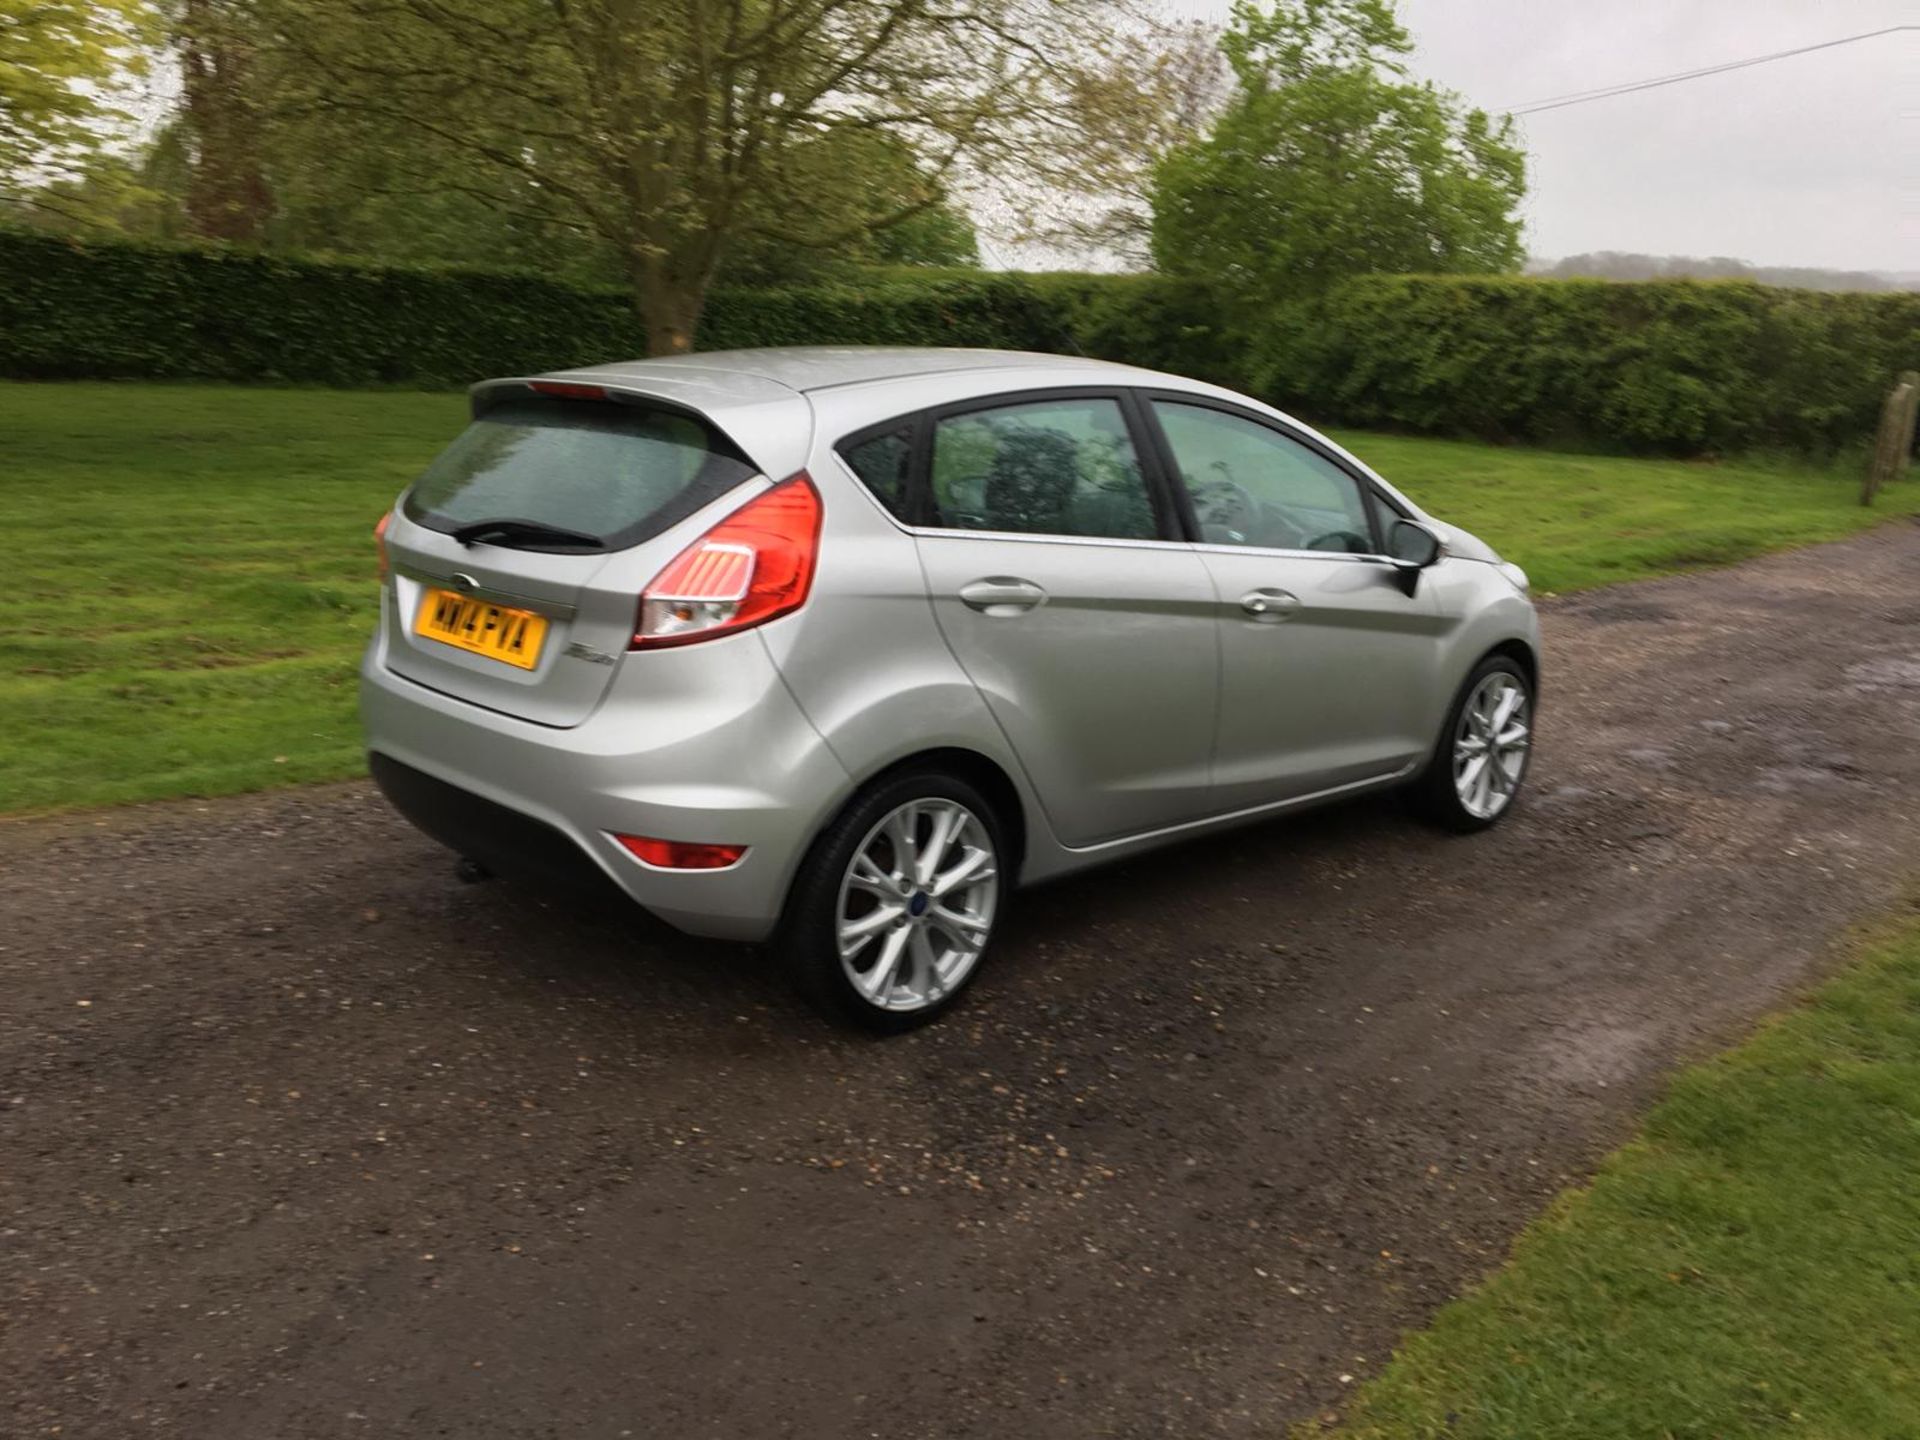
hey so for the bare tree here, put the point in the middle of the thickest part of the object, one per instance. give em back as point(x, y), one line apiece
point(1156, 87)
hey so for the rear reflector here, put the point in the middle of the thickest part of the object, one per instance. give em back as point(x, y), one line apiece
point(567, 390)
point(679, 855)
point(755, 565)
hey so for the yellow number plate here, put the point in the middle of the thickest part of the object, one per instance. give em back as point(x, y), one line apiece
point(498, 632)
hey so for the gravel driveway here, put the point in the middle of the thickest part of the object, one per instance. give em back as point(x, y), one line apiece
point(300, 1137)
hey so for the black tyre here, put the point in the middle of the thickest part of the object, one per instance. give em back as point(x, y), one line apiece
point(1480, 759)
point(896, 903)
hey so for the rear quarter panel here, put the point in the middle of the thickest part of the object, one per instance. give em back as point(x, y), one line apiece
point(865, 660)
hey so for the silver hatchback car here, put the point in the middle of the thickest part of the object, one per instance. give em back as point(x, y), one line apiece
point(835, 647)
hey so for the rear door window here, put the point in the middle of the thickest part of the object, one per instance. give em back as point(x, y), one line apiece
point(1045, 467)
point(617, 472)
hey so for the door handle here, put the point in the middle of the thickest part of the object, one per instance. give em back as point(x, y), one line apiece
point(1270, 605)
point(1002, 595)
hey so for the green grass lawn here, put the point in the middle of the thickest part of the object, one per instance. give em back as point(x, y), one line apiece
point(191, 568)
point(192, 576)
point(1580, 520)
point(1750, 1266)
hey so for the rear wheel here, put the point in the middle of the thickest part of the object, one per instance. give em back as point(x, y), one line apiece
point(895, 905)
point(1484, 749)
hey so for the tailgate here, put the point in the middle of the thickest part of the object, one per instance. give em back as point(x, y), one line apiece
point(518, 557)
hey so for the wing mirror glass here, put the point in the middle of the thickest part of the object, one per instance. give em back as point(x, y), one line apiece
point(1411, 543)
point(1412, 547)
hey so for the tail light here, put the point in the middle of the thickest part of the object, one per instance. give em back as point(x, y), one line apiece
point(681, 855)
point(755, 565)
point(380, 542)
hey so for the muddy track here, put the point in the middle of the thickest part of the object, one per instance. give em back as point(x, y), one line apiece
point(300, 1137)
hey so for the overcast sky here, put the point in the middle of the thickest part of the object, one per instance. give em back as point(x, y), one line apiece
point(1813, 160)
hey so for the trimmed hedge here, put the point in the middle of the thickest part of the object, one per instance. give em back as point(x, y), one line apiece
point(72, 310)
point(1678, 367)
point(121, 310)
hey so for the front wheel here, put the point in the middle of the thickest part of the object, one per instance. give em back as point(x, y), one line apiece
point(896, 902)
point(1483, 751)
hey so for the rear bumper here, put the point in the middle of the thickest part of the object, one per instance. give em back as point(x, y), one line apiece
point(704, 747)
point(501, 839)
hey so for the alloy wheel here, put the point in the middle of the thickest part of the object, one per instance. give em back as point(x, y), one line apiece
point(1491, 745)
point(916, 904)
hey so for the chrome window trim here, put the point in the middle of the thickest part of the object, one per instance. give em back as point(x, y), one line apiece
point(1030, 537)
point(1159, 483)
point(1215, 547)
point(1204, 547)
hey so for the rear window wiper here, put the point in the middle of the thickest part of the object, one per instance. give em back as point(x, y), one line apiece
point(508, 529)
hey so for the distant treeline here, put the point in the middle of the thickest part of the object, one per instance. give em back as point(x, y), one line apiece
point(1623, 265)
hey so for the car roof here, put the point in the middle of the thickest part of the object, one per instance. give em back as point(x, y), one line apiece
point(820, 367)
point(758, 396)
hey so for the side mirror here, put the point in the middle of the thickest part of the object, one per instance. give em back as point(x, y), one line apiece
point(1412, 547)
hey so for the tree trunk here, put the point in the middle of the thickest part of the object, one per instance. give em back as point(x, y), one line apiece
point(227, 195)
point(669, 305)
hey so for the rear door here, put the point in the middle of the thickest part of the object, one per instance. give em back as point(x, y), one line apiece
point(518, 557)
point(1327, 664)
point(1056, 580)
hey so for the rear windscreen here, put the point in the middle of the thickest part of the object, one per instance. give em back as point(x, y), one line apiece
point(618, 472)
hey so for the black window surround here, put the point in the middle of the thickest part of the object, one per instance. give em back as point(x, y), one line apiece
point(1173, 509)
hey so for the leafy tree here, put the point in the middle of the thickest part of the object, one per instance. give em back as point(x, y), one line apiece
point(871, 177)
point(675, 130)
point(236, 163)
point(358, 185)
point(63, 66)
point(370, 198)
point(1330, 161)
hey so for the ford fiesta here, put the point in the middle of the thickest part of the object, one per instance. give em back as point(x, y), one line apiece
point(834, 648)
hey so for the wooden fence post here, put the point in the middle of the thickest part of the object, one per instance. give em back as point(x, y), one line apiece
point(1893, 444)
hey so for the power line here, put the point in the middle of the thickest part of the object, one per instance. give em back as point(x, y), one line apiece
point(1604, 92)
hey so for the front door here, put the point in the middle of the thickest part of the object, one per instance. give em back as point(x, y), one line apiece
point(1327, 665)
point(1088, 631)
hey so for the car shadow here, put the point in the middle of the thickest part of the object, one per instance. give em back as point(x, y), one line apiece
point(1190, 873)
point(597, 944)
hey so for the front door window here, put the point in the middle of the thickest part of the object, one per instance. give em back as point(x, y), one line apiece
point(1251, 485)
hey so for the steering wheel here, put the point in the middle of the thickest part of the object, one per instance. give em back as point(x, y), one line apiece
point(1344, 541)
